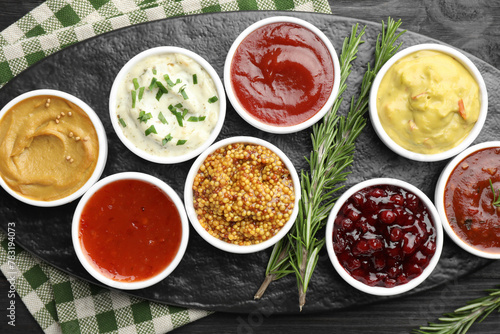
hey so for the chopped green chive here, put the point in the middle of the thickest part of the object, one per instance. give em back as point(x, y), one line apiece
point(179, 116)
point(143, 116)
point(141, 93)
point(136, 83)
point(134, 97)
point(162, 118)
point(154, 71)
point(213, 99)
point(152, 84)
point(159, 94)
point(150, 130)
point(178, 105)
point(184, 112)
point(195, 79)
point(166, 139)
point(170, 83)
point(181, 142)
point(122, 122)
point(196, 119)
point(161, 87)
point(182, 91)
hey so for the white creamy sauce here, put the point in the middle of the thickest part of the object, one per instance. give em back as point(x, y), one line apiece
point(197, 104)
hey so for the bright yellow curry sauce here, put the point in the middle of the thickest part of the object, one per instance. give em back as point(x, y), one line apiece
point(428, 102)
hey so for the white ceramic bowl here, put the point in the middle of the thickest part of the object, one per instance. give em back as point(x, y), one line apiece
point(390, 143)
point(86, 261)
point(376, 290)
point(101, 136)
point(193, 217)
point(123, 73)
point(254, 121)
point(439, 199)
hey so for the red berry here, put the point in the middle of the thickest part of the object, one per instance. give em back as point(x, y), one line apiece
point(407, 219)
point(413, 270)
point(353, 214)
point(390, 282)
point(394, 271)
point(375, 244)
point(412, 202)
point(358, 199)
point(387, 217)
point(409, 243)
point(429, 248)
point(397, 199)
point(347, 224)
point(396, 234)
point(363, 247)
point(419, 258)
point(401, 279)
point(377, 192)
point(353, 263)
point(394, 252)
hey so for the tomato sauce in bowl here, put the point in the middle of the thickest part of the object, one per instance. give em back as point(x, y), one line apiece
point(282, 74)
point(468, 199)
point(130, 230)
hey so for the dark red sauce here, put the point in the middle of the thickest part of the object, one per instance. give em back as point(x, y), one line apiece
point(468, 200)
point(282, 74)
point(384, 236)
point(131, 230)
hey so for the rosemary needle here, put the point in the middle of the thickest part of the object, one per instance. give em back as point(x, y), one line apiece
point(333, 148)
point(462, 318)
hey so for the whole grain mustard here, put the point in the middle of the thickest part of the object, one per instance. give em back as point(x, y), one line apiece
point(243, 194)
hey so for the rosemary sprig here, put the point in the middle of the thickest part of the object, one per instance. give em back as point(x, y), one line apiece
point(496, 198)
point(333, 148)
point(279, 261)
point(462, 318)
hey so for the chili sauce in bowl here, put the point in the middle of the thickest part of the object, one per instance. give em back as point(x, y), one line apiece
point(130, 230)
point(467, 197)
point(282, 74)
point(383, 236)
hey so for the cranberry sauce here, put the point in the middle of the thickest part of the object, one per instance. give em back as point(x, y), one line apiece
point(384, 236)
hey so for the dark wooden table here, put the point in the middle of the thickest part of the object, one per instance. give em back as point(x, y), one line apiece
point(473, 26)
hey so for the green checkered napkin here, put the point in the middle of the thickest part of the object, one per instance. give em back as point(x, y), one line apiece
point(59, 302)
point(57, 24)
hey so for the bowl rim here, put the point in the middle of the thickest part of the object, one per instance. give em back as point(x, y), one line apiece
point(101, 137)
point(167, 50)
point(254, 121)
point(439, 198)
point(222, 245)
point(483, 111)
point(375, 290)
point(85, 261)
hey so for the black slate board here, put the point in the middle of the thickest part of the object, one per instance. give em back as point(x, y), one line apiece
point(208, 278)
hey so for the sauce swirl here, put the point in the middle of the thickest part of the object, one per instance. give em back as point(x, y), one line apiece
point(282, 74)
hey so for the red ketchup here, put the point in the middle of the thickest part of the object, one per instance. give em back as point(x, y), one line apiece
point(131, 230)
point(282, 74)
point(468, 200)
point(384, 236)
